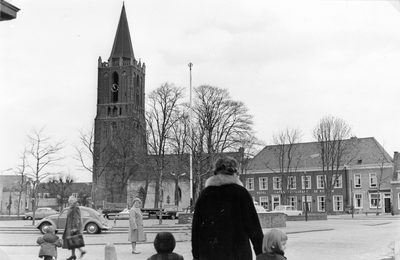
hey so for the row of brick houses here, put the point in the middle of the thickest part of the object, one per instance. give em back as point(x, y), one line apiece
point(368, 181)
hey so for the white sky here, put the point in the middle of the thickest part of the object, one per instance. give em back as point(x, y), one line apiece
point(291, 62)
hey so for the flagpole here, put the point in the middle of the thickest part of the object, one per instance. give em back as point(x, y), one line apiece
point(191, 140)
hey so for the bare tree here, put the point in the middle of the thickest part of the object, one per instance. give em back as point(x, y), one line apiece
point(59, 186)
point(383, 176)
point(43, 152)
point(334, 150)
point(23, 182)
point(124, 159)
point(221, 124)
point(85, 155)
point(163, 102)
point(287, 155)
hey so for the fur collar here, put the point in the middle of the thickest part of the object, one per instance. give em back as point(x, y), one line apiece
point(223, 179)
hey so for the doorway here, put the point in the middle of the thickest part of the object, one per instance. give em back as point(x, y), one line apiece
point(387, 202)
point(276, 201)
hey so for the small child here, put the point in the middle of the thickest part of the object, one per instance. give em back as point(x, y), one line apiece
point(274, 245)
point(164, 243)
point(48, 244)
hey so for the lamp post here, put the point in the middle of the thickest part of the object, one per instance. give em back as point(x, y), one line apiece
point(177, 196)
point(191, 141)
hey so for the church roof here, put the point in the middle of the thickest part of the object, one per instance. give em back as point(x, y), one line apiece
point(122, 46)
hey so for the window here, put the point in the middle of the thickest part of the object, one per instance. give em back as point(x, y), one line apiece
point(264, 202)
point(358, 201)
point(337, 181)
point(321, 203)
point(357, 180)
point(398, 200)
point(321, 181)
point(292, 183)
point(263, 183)
point(372, 180)
point(250, 183)
point(374, 200)
point(337, 203)
point(306, 182)
point(293, 201)
point(85, 213)
point(277, 185)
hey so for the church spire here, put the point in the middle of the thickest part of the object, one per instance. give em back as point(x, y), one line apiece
point(122, 47)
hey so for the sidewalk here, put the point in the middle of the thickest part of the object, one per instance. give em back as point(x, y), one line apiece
point(96, 244)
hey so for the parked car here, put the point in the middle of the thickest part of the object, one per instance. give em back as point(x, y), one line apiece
point(122, 214)
point(288, 210)
point(40, 213)
point(93, 222)
point(171, 213)
point(111, 209)
point(260, 209)
point(125, 214)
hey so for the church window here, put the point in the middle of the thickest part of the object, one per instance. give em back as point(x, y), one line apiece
point(113, 129)
point(137, 89)
point(114, 87)
point(105, 130)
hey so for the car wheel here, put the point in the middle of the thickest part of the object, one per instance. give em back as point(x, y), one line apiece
point(43, 227)
point(29, 218)
point(92, 228)
point(173, 216)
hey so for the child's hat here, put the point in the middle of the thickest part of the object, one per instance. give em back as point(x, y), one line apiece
point(49, 229)
point(164, 242)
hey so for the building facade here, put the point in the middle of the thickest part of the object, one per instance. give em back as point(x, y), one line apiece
point(362, 181)
point(396, 183)
point(119, 132)
point(14, 196)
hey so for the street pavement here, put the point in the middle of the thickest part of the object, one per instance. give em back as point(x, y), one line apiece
point(339, 237)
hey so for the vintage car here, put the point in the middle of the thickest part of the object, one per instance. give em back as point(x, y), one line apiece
point(260, 209)
point(40, 213)
point(288, 210)
point(125, 214)
point(93, 222)
point(171, 213)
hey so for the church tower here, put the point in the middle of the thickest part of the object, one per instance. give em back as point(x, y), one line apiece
point(119, 132)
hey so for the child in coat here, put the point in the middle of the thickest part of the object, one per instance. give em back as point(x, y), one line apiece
point(274, 245)
point(48, 244)
point(164, 243)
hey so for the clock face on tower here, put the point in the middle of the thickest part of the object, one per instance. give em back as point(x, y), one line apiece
point(114, 88)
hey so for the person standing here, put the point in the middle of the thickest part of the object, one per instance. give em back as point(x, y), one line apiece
point(225, 218)
point(136, 232)
point(48, 244)
point(74, 224)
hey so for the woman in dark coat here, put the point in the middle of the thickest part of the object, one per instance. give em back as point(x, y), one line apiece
point(224, 218)
point(74, 222)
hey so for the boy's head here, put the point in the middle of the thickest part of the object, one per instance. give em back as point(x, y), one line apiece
point(49, 230)
point(164, 242)
point(275, 239)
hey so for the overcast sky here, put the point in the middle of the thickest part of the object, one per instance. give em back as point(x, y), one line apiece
point(291, 63)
